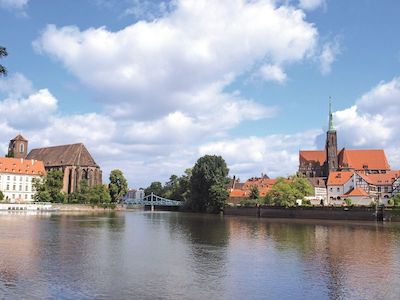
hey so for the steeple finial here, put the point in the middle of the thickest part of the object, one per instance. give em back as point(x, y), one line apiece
point(331, 127)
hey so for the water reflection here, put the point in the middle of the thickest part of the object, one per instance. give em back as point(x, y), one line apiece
point(173, 255)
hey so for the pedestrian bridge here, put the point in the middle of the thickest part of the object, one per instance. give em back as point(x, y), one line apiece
point(153, 200)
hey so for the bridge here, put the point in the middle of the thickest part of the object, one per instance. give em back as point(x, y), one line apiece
point(153, 200)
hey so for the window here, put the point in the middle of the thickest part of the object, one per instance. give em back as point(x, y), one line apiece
point(337, 190)
point(20, 187)
point(8, 177)
point(8, 187)
point(330, 189)
point(13, 196)
point(20, 178)
point(379, 188)
point(26, 188)
point(26, 196)
point(15, 178)
point(21, 148)
point(13, 187)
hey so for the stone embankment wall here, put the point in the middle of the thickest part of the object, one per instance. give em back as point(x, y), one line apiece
point(83, 207)
point(324, 213)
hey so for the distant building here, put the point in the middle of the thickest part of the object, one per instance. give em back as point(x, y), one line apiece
point(240, 191)
point(16, 175)
point(74, 160)
point(134, 194)
point(18, 147)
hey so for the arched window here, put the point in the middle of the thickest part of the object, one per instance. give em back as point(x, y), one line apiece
point(21, 148)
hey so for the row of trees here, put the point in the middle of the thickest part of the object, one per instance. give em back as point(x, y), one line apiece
point(49, 189)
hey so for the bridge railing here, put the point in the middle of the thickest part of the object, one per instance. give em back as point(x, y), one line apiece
point(154, 200)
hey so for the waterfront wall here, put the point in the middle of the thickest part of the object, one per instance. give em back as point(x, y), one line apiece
point(325, 213)
point(83, 207)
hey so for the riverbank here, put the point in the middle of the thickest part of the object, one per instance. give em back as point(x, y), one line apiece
point(324, 213)
point(88, 207)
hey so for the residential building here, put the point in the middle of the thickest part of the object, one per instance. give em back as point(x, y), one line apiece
point(16, 176)
point(240, 191)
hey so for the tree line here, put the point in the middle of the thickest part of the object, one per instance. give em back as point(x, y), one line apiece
point(49, 189)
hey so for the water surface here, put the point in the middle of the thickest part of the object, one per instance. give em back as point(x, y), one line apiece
point(167, 255)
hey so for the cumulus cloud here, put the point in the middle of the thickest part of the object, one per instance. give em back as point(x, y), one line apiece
point(330, 51)
point(273, 73)
point(14, 5)
point(373, 121)
point(275, 155)
point(311, 4)
point(156, 66)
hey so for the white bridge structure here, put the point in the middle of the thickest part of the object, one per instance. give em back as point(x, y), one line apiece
point(153, 200)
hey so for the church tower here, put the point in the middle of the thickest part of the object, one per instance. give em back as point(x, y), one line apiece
point(18, 147)
point(331, 146)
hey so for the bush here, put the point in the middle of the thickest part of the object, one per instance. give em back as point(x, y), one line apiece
point(347, 201)
point(250, 202)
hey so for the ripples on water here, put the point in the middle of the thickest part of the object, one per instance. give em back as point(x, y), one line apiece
point(144, 255)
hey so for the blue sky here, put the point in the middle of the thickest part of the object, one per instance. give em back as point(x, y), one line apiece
point(149, 86)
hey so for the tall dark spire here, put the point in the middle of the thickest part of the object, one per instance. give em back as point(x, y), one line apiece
point(331, 127)
point(331, 145)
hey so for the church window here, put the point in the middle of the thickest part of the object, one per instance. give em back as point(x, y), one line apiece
point(21, 148)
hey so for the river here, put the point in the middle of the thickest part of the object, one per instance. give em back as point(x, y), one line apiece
point(168, 255)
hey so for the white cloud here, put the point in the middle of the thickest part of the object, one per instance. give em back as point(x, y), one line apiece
point(273, 73)
point(156, 66)
point(16, 85)
point(32, 111)
point(373, 121)
point(16, 5)
point(274, 155)
point(311, 4)
point(330, 51)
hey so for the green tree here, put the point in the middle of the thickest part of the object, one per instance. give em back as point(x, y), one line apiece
point(285, 192)
point(98, 195)
point(209, 177)
point(155, 188)
point(1, 196)
point(396, 199)
point(347, 201)
point(48, 188)
point(254, 193)
point(3, 53)
point(118, 186)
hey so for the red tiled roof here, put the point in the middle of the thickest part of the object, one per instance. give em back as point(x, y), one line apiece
point(357, 192)
point(236, 193)
point(363, 159)
point(313, 155)
point(21, 166)
point(339, 178)
point(263, 185)
point(380, 179)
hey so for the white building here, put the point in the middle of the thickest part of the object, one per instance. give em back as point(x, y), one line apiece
point(16, 175)
point(133, 194)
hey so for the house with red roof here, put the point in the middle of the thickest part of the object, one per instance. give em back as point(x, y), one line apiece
point(16, 177)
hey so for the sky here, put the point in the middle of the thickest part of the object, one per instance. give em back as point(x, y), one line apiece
point(151, 86)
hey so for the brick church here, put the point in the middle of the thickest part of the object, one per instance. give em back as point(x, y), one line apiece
point(320, 163)
point(74, 160)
